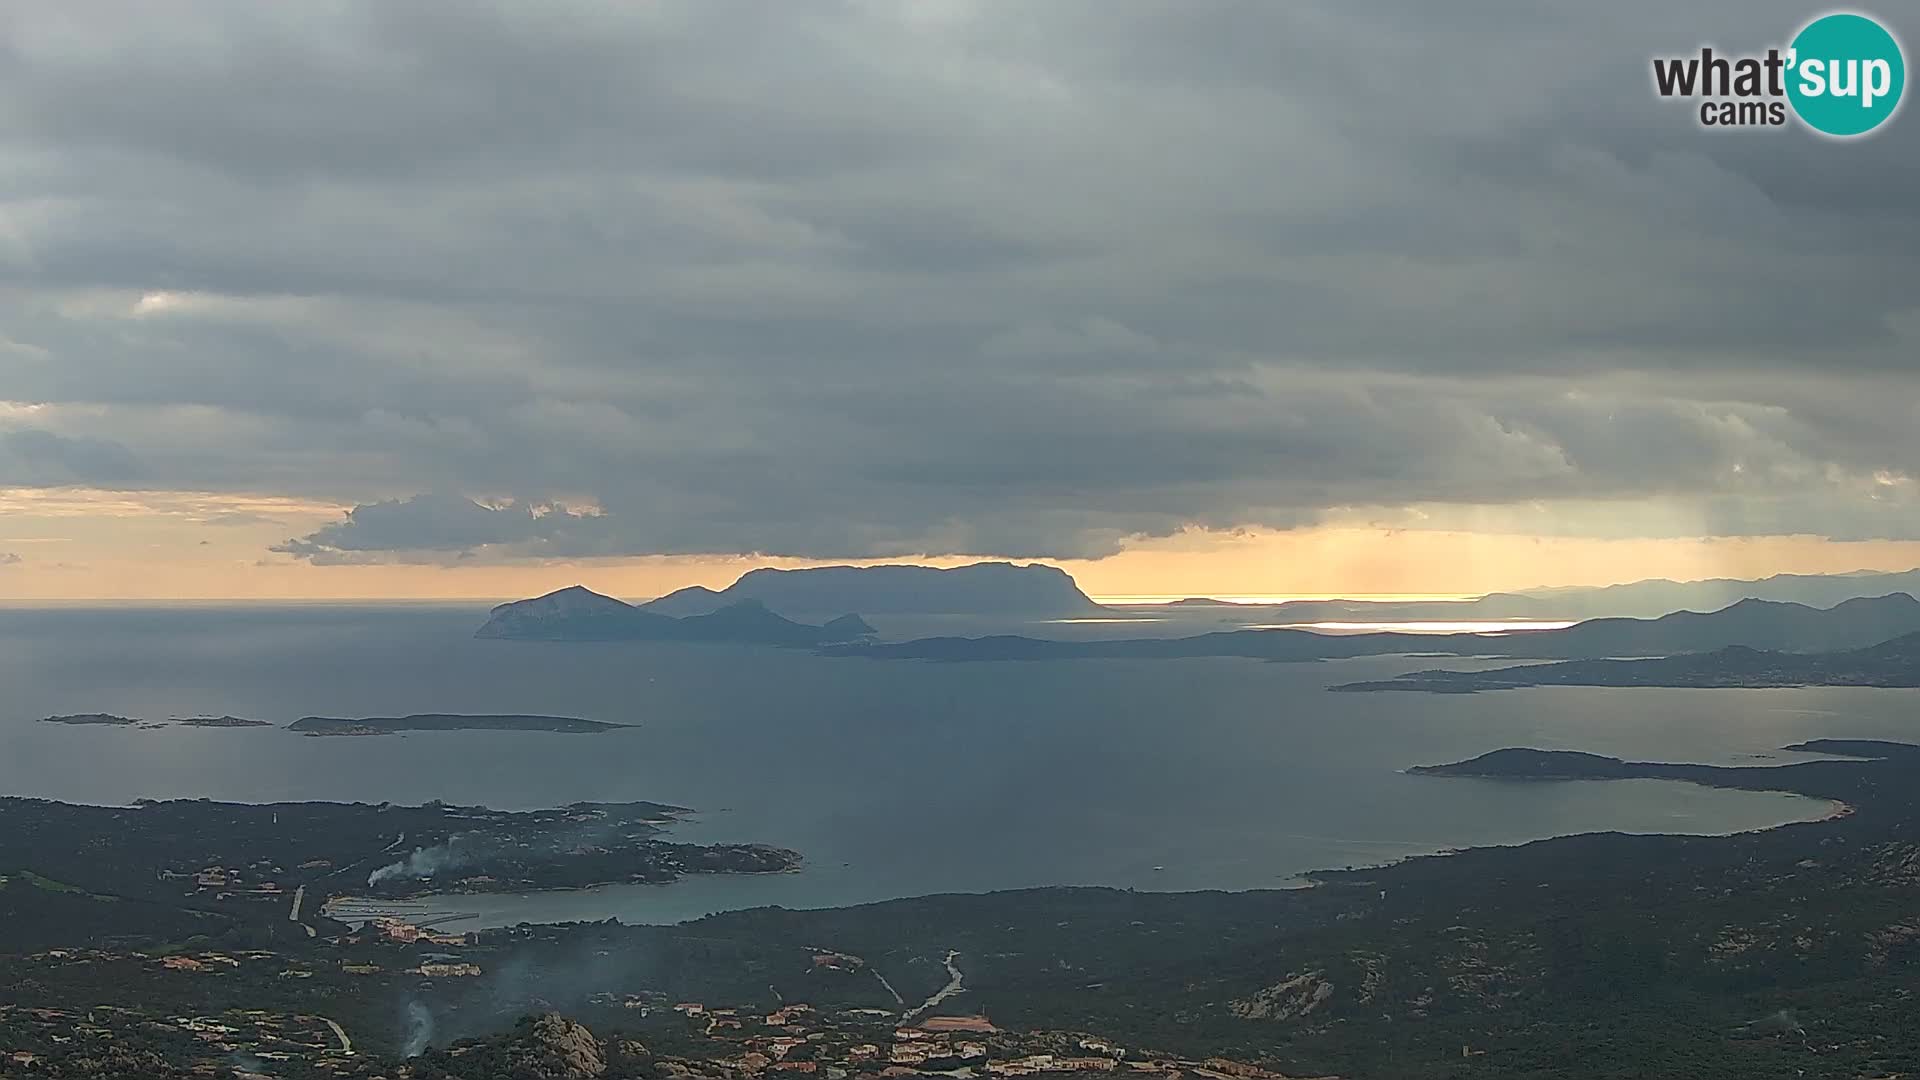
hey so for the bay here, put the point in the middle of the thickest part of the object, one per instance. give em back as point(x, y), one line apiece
point(892, 779)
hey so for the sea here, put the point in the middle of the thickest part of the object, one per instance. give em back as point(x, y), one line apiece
point(891, 778)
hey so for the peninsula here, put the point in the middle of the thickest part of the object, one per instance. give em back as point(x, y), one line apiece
point(1894, 663)
point(1780, 953)
point(183, 867)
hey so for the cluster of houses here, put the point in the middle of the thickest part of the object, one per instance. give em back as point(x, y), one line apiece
point(796, 1039)
point(406, 933)
point(226, 881)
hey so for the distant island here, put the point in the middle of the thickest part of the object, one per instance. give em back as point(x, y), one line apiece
point(1526, 763)
point(1753, 624)
point(577, 613)
point(387, 725)
point(110, 720)
point(1030, 591)
point(218, 722)
point(1894, 663)
point(90, 719)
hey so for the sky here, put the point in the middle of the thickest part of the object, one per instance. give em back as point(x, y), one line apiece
point(351, 298)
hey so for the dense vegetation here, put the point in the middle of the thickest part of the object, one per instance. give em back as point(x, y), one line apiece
point(1785, 953)
point(234, 868)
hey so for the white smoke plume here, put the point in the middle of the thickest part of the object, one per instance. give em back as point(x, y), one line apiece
point(419, 1029)
point(426, 862)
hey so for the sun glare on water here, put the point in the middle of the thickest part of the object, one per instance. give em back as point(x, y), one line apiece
point(1488, 626)
point(1267, 599)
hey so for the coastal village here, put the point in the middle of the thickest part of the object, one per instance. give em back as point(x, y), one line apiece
point(710, 1040)
point(797, 1039)
point(148, 947)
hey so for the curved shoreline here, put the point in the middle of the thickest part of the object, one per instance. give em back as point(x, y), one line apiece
point(1837, 809)
point(657, 904)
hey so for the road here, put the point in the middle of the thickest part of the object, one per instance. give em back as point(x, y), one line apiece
point(898, 1000)
point(357, 863)
point(947, 991)
point(346, 1044)
point(299, 897)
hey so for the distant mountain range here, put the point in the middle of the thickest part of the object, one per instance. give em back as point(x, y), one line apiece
point(1756, 624)
point(745, 612)
point(578, 613)
point(1889, 663)
point(1639, 599)
point(1038, 591)
point(988, 588)
point(1659, 594)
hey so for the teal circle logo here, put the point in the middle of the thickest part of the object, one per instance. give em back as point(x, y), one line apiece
point(1846, 74)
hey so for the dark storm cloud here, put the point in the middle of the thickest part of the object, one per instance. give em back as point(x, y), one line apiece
point(444, 523)
point(846, 279)
point(30, 457)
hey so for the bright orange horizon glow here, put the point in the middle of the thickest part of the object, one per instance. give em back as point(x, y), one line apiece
point(113, 546)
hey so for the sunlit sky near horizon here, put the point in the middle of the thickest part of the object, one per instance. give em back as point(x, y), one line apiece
point(454, 300)
point(127, 545)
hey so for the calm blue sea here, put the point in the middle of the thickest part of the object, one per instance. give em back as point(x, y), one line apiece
point(894, 779)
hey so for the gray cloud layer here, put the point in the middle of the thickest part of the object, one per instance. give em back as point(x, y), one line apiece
point(845, 279)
